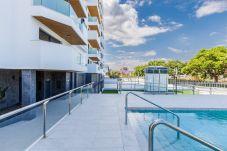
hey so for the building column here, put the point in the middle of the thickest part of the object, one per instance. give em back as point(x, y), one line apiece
point(67, 81)
point(28, 80)
point(73, 80)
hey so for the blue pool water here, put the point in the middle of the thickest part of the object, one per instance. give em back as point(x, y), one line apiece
point(209, 125)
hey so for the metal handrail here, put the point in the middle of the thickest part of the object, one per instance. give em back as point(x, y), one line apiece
point(126, 109)
point(44, 104)
point(195, 138)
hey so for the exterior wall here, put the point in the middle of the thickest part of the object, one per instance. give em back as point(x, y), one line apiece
point(10, 79)
point(36, 69)
point(20, 47)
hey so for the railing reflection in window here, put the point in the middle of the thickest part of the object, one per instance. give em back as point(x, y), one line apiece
point(20, 128)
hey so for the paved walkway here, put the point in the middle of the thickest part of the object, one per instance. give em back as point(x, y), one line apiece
point(97, 125)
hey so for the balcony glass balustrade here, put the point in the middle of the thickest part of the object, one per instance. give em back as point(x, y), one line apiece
point(62, 7)
point(93, 51)
point(92, 19)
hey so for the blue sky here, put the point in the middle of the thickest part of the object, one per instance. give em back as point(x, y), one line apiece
point(137, 31)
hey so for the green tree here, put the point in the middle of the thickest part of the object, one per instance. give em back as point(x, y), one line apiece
point(208, 63)
point(139, 70)
point(171, 64)
point(157, 63)
point(114, 74)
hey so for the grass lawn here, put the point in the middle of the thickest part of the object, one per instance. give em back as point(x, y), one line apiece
point(110, 92)
point(187, 92)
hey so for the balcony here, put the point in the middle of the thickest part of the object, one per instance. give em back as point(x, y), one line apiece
point(79, 8)
point(94, 54)
point(95, 9)
point(93, 68)
point(93, 39)
point(52, 56)
point(94, 24)
point(61, 19)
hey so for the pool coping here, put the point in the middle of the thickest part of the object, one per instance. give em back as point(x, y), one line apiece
point(133, 109)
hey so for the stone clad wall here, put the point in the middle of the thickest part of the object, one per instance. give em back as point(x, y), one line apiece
point(10, 79)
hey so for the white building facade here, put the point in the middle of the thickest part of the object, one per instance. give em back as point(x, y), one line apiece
point(47, 47)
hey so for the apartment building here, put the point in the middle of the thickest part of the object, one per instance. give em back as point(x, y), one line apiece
point(48, 47)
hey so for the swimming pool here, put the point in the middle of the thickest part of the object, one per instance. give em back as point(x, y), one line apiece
point(209, 125)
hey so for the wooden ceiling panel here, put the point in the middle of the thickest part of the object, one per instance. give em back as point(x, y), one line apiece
point(78, 8)
point(94, 44)
point(64, 31)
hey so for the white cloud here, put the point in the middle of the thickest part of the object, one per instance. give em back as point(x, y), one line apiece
point(176, 25)
point(122, 25)
point(184, 38)
point(213, 34)
point(114, 45)
point(210, 7)
point(138, 2)
point(175, 50)
point(155, 18)
point(151, 53)
point(143, 21)
point(132, 52)
point(121, 51)
point(130, 63)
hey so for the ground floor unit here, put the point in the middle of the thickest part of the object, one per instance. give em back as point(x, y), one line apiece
point(23, 87)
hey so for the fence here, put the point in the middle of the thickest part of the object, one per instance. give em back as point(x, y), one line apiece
point(179, 87)
point(198, 87)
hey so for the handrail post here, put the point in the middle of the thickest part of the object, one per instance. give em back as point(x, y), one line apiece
point(87, 92)
point(193, 90)
point(126, 109)
point(44, 118)
point(70, 101)
point(81, 95)
point(118, 85)
point(151, 139)
point(178, 125)
point(92, 87)
point(121, 86)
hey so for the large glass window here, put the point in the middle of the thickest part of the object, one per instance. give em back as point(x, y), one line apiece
point(46, 37)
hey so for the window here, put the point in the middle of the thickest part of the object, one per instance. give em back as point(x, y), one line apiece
point(58, 84)
point(163, 71)
point(46, 37)
point(79, 59)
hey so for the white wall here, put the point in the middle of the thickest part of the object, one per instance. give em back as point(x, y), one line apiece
point(18, 49)
point(93, 68)
point(156, 82)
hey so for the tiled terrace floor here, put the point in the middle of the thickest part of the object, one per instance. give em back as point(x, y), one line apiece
point(98, 124)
